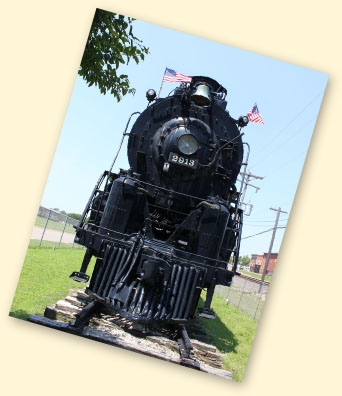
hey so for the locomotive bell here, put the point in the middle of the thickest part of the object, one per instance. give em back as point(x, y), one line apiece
point(202, 95)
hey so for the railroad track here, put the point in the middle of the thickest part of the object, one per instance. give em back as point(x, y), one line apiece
point(251, 278)
point(121, 332)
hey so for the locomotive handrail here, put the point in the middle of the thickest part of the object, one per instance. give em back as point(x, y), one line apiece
point(163, 188)
point(157, 251)
point(116, 156)
point(237, 210)
point(97, 185)
point(243, 179)
point(122, 139)
point(192, 254)
point(218, 150)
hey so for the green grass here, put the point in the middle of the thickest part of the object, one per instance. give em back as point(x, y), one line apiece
point(54, 225)
point(35, 243)
point(254, 275)
point(44, 279)
point(232, 332)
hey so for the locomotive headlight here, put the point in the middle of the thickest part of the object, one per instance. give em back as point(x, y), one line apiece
point(151, 95)
point(187, 144)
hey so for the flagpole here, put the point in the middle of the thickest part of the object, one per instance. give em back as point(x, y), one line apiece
point(162, 83)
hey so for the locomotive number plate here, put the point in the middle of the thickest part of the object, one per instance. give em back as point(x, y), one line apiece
point(181, 160)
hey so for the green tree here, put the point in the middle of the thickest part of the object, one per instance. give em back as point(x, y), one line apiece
point(244, 260)
point(111, 42)
point(74, 215)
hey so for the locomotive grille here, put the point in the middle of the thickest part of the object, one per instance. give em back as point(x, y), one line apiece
point(172, 300)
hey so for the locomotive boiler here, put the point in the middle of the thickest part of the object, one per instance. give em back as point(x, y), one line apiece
point(166, 228)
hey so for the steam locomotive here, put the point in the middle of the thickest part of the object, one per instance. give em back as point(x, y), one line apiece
point(166, 228)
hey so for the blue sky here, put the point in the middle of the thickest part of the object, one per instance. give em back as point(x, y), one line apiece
point(288, 97)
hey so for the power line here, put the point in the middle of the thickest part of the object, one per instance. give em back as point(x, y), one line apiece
point(293, 119)
point(254, 225)
point(259, 233)
point(263, 221)
point(263, 232)
point(287, 163)
point(282, 144)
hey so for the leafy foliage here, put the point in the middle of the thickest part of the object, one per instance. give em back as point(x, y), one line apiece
point(76, 216)
point(111, 42)
point(244, 260)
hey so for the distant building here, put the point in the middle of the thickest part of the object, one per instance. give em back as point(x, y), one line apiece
point(258, 262)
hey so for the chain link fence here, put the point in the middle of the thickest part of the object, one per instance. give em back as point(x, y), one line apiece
point(53, 229)
point(246, 294)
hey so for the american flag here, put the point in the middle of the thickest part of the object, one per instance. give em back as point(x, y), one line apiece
point(172, 76)
point(254, 115)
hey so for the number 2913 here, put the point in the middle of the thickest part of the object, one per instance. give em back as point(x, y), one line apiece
point(182, 160)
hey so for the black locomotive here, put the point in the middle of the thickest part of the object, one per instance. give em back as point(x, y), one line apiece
point(166, 229)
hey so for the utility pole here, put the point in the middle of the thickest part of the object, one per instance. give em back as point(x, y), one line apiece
point(271, 245)
point(249, 176)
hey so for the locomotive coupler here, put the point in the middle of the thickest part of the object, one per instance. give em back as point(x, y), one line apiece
point(83, 317)
point(185, 348)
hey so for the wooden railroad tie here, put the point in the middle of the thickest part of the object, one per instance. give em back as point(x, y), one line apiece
point(124, 333)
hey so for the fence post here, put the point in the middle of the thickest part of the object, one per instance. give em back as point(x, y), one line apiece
point(230, 289)
point(47, 220)
point(217, 289)
point(242, 293)
point(228, 294)
point(260, 290)
point(65, 223)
